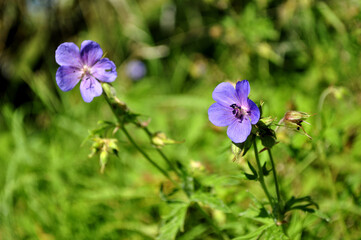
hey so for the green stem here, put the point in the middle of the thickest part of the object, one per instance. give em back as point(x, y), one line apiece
point(260, 172)
point(279, 211)
point(166, 159)
point(131, 140)
point(275, 177)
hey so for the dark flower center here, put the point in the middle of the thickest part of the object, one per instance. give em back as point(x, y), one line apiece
point(239, 112)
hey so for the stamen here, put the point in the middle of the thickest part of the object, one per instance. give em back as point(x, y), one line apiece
point(238, 112)
point(86, 71)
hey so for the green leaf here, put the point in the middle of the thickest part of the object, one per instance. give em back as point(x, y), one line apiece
point(240, 149)
point(250, 176)
point(173, 222)
point(211, 201)
point(165, 196)
point(304, 204)
point(263, 213)
point(253, 176)
point(275, 233)
point(194, 232)
point(264, 170)
point(257, 233)
point(252, 168)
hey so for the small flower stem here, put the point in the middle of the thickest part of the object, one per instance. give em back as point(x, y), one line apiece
point(146, 156)
point(260, 173)
point(279, 203)
point(274, 176)
point(166, 159)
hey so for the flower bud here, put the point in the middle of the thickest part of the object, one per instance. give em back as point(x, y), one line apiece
point(105, 146)
point(159, 139)
point(267, 120)
point(103, 160)
point(266, 133)
point(112, 144)
point(109, 90)
point(294, 119)
point(296, 116)
point(196, 165)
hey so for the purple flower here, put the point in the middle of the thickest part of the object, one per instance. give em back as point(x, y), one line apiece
point(234, 109)
point(86, 65)
point(136, 70)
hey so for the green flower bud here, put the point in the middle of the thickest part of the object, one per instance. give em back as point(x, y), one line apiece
point(266, 134)
point(103, 160)
point(267, 120)
point(159, 139)
point(112, 144)
point(108, 89)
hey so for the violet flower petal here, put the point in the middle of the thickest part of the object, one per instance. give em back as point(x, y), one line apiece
point(225, 94)
point(219, 115)
point(104, 70)
point(67, 54)
point(243, 89)
point(90, 88)
point(67, 77)
point(255, 113)
point(90, 52)
point(239, 131)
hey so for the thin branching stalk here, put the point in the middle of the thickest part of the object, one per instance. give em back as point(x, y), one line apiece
point(131, 140)
point(146, 156)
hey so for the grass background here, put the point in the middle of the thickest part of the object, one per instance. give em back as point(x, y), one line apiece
point(297, 55)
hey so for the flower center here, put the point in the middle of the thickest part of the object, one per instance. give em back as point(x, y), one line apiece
point(239, 112)
point(86, 71)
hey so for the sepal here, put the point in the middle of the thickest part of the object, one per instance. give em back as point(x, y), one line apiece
point(253, 176)
point(240, 149)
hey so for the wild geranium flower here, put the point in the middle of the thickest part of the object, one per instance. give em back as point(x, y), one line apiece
point(136, 70)
point(85, 65)
point(234, 109)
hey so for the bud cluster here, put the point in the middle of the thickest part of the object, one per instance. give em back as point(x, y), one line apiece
point(103, 146)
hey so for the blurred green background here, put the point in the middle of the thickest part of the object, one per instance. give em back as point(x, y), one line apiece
point(297, 55)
